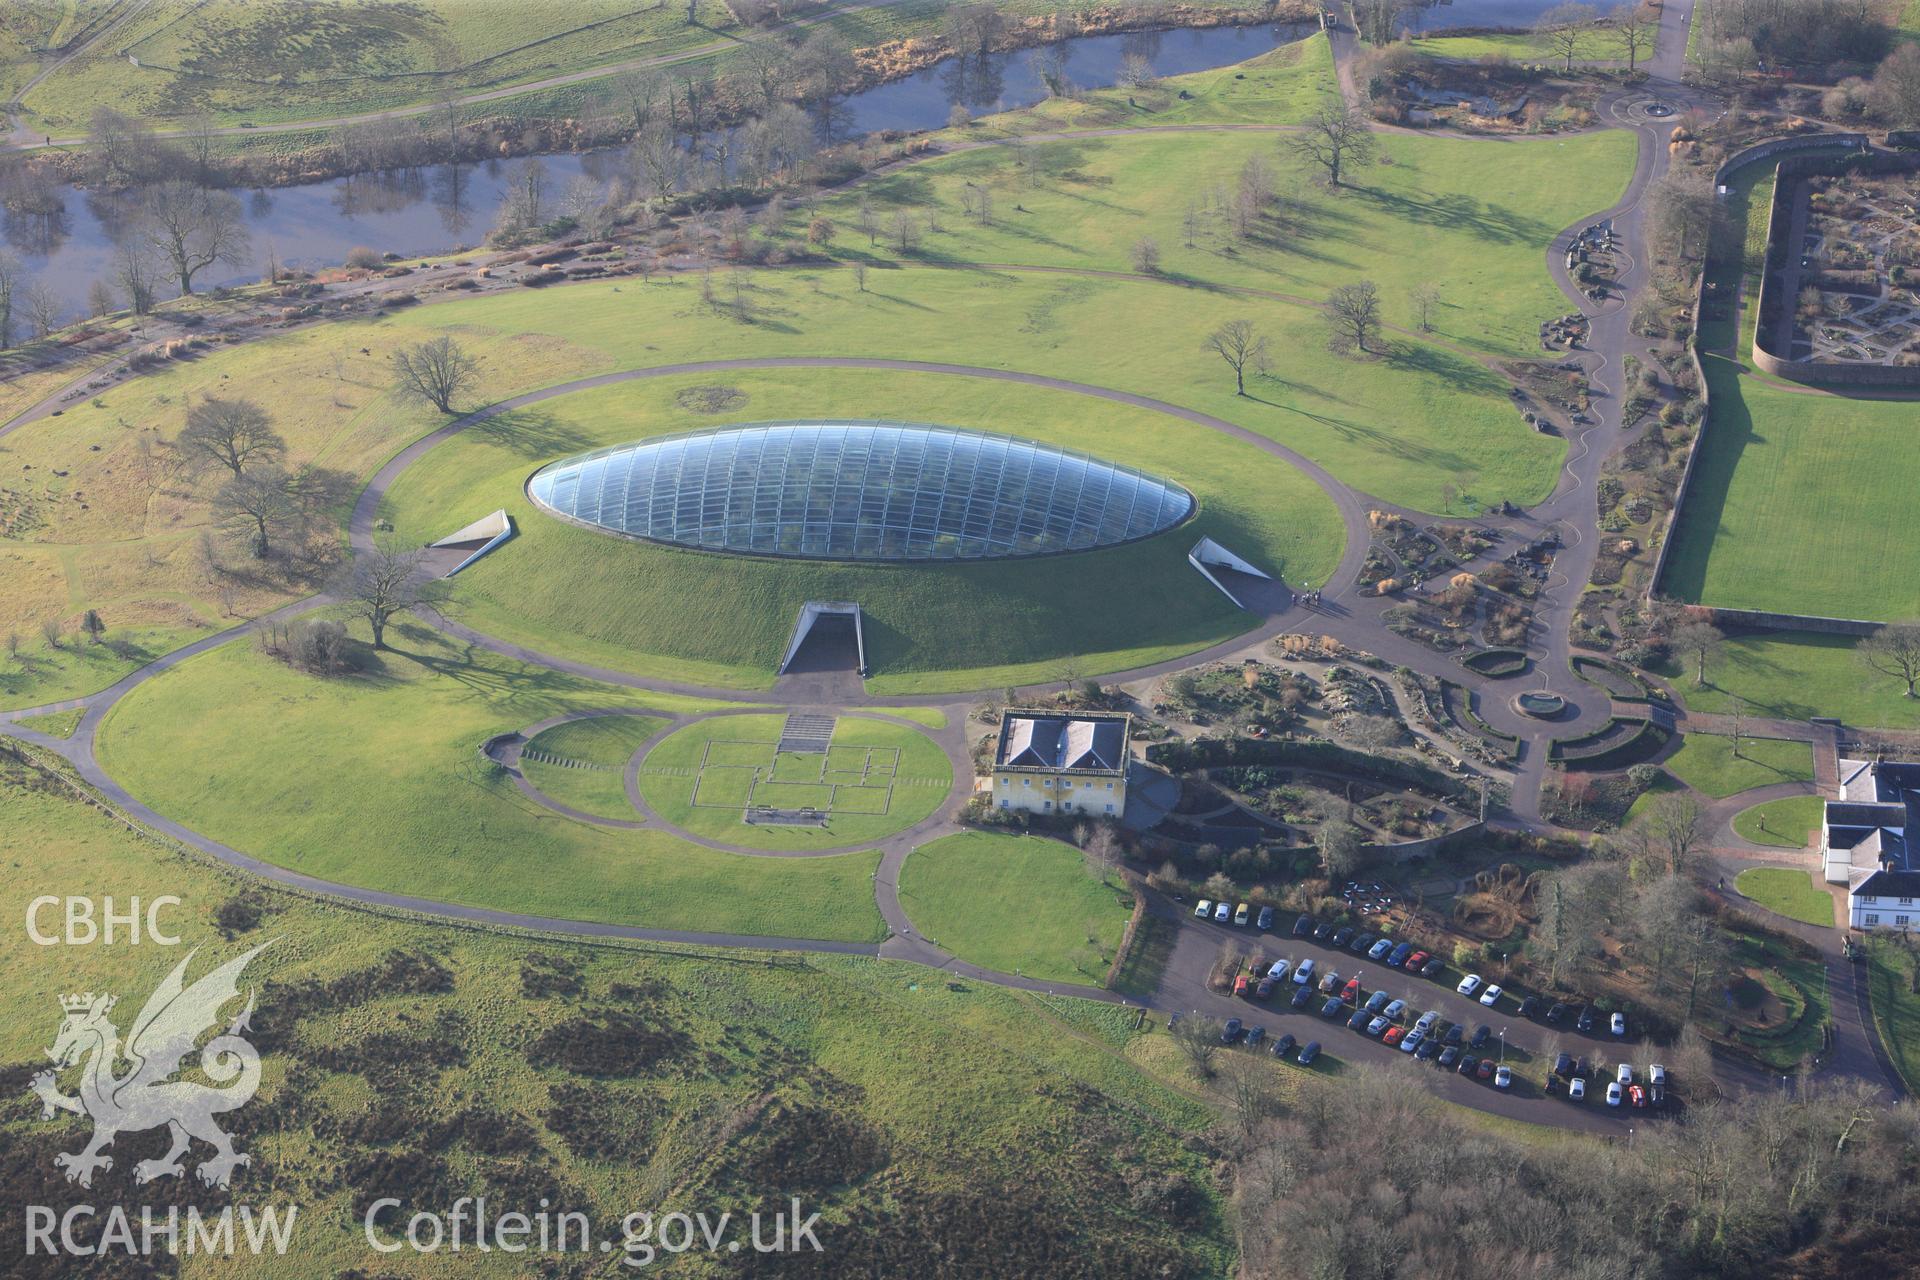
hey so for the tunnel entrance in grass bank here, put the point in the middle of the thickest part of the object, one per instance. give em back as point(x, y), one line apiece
point(827, 656)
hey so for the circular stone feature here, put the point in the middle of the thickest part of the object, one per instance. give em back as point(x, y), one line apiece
point(859, 491)
point(1539, 704)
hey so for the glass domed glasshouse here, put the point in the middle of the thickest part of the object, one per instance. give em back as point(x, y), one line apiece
point(859, 491)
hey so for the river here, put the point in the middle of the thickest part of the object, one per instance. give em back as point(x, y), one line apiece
point(450, 207)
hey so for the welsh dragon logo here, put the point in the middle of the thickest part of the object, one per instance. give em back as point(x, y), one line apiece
point(146, 1096)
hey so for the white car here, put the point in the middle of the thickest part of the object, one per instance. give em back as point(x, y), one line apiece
point(1240, 915)
point(1619, 1024)
point(1613, 1093)
point(1624, 1075)
point(1304, 974)
point(1204, 909)
point(1490, 996)
point(1657, 1076)
point(1411, 1041)
point(1469, 984)
point(1503, 1077)
point(1577, 1089)
point(1279, 970)
point(1222, 912)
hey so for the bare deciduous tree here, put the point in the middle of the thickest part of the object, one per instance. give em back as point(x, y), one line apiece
point(12, 281)
point(384, 583)
point(1636, 30)
point(1425, 298)
point(1333, 140)
point(1564, 27)
point(1242, 346)
point(136, 270)
point(1894, 650)
point(234, 434)
point(437, 371)
point(1146, 256)
point(1353, 310)
point(1199, 1041)
point(1701, 644)
point(193, 228)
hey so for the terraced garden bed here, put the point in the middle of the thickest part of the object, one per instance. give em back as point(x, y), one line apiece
point(1615, 745)
point(1497, 663)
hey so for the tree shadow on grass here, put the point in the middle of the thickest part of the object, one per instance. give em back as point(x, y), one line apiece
point(1486, 221)
point(1458, 372)
point(531, 433)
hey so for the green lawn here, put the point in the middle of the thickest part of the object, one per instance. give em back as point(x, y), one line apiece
point(59, 724)
point(928, 627)
point(1801, 984)
point(1788, 892)
point(227, 744)
point(1016, 903)
point(1706, 763)
point(1896, 1009)
point(877, 778)
point(1794, 675)
point(606, 743)
point(1465, 215)
point(39, 674)
point(1786, 823)
point(1600, 45)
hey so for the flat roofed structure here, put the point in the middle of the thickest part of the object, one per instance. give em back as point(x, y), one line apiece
point(1057, 762)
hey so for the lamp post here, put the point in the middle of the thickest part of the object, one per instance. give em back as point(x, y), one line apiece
point(1503, 1046)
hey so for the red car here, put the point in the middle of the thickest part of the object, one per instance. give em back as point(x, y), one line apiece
point(1394, 1035)
point(1240, 985)
point(1486, 1068)
point(1351, 992)
point(1264, 990)
point(1417, 959)
point(1637, 1095)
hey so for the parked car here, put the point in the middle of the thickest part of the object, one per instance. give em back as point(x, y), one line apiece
point(1302, 926)
point(1636, 1095)
point(1203, 909)
point(1411, 1041)
point(1284, 1046)
point(1481, 1034)
point(1486, 1069)
point(1557, 1014)
point(1264, 990)
point(1359, 1020)
point(1333, 1008)
point(1433, 968)
point(1322, 931)
point(1455, 1034)
point(1394, 1035)
point(1503, 1077)
point(1448, 1057)
point(1427, 1019)
point(1380, 950)
point(1619, 1024)
point(1279, 969)
point(1230, 1032)
point(1240, 914)
point(1530, 1007)
point(1266, 919)
point(1657, 1076)
point(1613, 1093)
point(1378, 1001)
point(1378, 1027)
point(1577, 1089)
point(1624, 1073)
point(1468, 1064)
point(1302, 997)
point(1255, 963)
point(1303, 974)
point(1429, 1050)
point(1256, 1035)
point(1240, 986)
point(1563, 1065)
point(1398, 956)
point(1395, 1009)
point(1491, 996)
point(1360, 945)
point(1417, 959)
point(1351, 992)
point(1586, 1019)
point(1308, 1054)
point(1341, 936)
point(1222, 912)
point(1469, 984)
point(1328, 981)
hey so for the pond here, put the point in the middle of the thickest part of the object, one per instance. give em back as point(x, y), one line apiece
point(1452, 14)
point(448, 207)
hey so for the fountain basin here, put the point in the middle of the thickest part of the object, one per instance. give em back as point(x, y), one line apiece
point(1540, 704)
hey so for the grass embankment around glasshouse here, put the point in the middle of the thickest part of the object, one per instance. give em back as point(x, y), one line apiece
point(1018, 904)
point(1786, 891)
point(927, 626)
point(1787, 823)
point(582, 763)
point(375, 779)
point(875, 778)
point(1795, 675)
point(600, 1070)
point(1466, 216)
point(1707, 763)
point(1896, 1006)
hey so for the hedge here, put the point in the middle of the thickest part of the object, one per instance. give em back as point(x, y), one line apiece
point(1646, 741)
point(1209, 753)
point(1496, 662)
point(1580, 661)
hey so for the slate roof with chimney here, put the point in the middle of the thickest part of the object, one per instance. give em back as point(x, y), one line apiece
point(1063, 744)
point(1877, 820)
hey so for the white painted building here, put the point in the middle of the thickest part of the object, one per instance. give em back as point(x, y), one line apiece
point(1866, 842)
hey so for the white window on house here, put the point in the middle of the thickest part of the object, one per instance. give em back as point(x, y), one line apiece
point(1901, 921)
point(1869, 898)
point(1046, 804)
point(1872, 919)
point(1005, 803)
point(1109, 786)
point(1906, 902)
point(1006, 782)
point(1026, 782)
point(1109, 808)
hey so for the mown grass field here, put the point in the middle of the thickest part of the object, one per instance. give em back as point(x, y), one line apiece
point(1787, 891)
point(1706, 763)
point(1794, 675)
point(1787, 822)
point(426, 1063)
point(1600, 45)
point(605, 744)
point(228, 743)
point(952, 626)
point(1021, 904)
point(1896, 1008)
point(877, 778)
point(1467, 216)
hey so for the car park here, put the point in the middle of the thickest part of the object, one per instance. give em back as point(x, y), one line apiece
point(1448, 1057)
point(1429, 1050)
point(1308, 1054)
point(1469, 984)
point(1398, 956)
point(1619, 1023)
point(1328, 981)
point(1454, 1034)
point(1222, 912)
point(1240, 914)
point(1485, 1069)
point(1417, 959)
point(1378, 1027)
point(1395, 1009)
point(1491, 996)
point(1426, 1021)
point(1468, 1064)
point(1481, 1034)
point(1323, 931)
point(1378, 1001)
point(1585, 1021)
point(1411, 1041)
point(1636, 1095)
point(1256, 1035)
point(1302, 926)
point(1230, 1032)
point(1576, 1089)
point(1278, 969)
point(1530, 1007)
point(1341, 936)
point(1613, 1093)
point(1255, 963)
point(1284, 1046)
point(1503, 1077)
point(1360, 945)
point(1351, 992)
point(1302, 997)
point(1433, 968)
point(1266, 918)
point(1240, 986)
point(1359, 1020)
point(1264, 990)
point(1203, 909)
point(1563, 1065)
point(1557, 1014)
point(1624, 1073)
point(1380, 950)
point(1304, 973)
point(1333, 1008)
point(1657, 1076)
point(1394, 1035)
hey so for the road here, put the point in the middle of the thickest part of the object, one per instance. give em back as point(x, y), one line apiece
point(1346, 611)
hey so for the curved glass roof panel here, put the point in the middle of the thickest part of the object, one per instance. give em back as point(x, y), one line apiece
point(859, 491)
